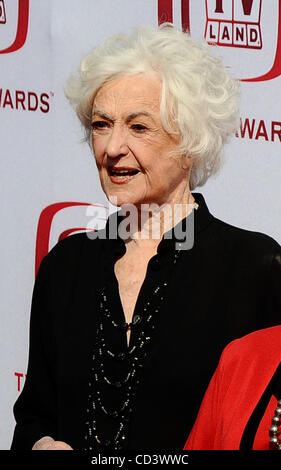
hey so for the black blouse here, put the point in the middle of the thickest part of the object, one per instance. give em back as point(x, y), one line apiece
point(227, 285)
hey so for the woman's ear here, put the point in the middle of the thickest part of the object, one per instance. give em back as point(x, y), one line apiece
point(187, 162)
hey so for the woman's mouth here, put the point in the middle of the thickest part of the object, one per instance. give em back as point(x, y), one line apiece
point(122, 175)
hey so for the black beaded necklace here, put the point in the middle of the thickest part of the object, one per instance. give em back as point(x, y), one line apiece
point(135, 357)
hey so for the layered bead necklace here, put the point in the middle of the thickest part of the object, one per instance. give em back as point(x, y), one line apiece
point(129, 383)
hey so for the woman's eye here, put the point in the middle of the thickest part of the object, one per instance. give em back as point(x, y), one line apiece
point(99, 125)
point(139, 127)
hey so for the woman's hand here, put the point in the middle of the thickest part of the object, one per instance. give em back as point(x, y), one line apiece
point(48, 443)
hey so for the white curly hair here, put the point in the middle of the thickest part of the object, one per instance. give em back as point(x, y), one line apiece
point(199, 95)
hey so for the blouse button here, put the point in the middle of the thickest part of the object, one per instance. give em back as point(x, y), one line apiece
point(155, 264)
point(137, 319)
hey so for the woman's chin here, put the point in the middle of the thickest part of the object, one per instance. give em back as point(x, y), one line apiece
point(120, 200)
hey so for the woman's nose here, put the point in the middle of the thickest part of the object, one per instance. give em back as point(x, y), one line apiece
point(117, 143)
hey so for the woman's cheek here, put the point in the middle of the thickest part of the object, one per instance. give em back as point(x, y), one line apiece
point(98, 149)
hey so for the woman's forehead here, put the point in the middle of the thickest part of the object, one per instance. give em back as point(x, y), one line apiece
point(130, 92)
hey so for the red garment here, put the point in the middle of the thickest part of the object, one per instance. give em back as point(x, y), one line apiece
point(245, 369)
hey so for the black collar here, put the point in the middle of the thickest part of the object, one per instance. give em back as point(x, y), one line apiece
point(202, 216)
point(170, 240)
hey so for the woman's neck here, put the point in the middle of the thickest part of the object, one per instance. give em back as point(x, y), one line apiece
point(151, 221)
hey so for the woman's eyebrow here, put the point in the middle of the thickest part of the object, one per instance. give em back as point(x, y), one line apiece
point(129, 117)
point(137, 114)
point(103, 114)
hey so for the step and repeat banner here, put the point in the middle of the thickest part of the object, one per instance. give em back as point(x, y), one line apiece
point(49, 182)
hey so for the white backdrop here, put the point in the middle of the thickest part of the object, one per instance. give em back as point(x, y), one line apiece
point(43, 162)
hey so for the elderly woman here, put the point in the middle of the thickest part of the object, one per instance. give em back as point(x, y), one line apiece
point(127, 326)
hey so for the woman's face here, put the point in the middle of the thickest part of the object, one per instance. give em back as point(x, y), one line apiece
point(130, 144)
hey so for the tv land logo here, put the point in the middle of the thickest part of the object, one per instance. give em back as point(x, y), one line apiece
point(249, 30)
point(13, 13)
point(234, 24)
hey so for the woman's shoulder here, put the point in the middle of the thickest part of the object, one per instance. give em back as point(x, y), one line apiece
point(246, 242)
point(72, 248)
point(227, 235)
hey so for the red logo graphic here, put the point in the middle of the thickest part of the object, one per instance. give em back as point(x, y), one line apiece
point(250, 26)
point(22, 25)
point(45, 224)
point(25, 100)
point(2, 12)
point(254, 129)
point(19, 376)
point(165, 13)
point(235, 24)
